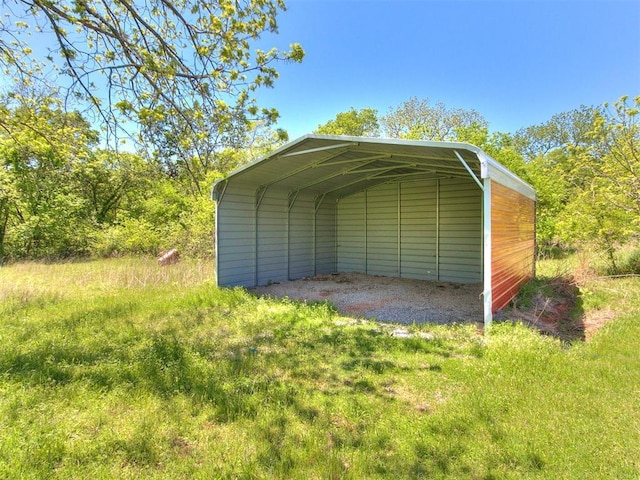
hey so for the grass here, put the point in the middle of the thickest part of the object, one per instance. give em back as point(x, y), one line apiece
point(123, 369)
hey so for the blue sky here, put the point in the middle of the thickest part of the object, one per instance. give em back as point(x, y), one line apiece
point(516, 62)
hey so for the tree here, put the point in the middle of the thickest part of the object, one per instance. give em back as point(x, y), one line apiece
point(42, 212)
point(57, 189)
point(585, 166)
point(170, 66)
point(605, 210)
point(110, 181)
point(418, 120)
point(357, 123)
point(562, 131)
point(616, 136)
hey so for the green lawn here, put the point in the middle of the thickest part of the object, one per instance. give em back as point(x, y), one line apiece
point(123, 369)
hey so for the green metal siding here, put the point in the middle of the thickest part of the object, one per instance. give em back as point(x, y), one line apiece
point(272, 238)
point(460, 231)
point(438, 225)
point(300, 256)
point(351, 234)
point(236, 237)
point(429, 229)
point(382, 230)
point(325, 238)
point(418, 230)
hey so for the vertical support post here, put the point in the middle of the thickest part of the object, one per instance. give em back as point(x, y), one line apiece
point(255, 244)
point(535, 241)
point(335, 235)
point(486, 254)
point(289, 240)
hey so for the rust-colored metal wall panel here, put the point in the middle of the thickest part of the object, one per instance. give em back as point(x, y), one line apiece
point(512, 243)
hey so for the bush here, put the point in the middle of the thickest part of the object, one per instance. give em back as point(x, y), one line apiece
point(132, 237)
point(628, 263)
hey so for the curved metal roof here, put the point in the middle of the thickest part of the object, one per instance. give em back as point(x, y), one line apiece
point(337, 166)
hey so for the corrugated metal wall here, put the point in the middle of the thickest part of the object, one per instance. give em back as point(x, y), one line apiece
point(418, 230)
point(272, 237)
point(460, 223)
point(284, 231)
point(403, 235)
point(513, 243)
point(325, 238)
point(392, 230)
point(300, 257)
point(351, 234)
point(382, 230)
point(235, 238)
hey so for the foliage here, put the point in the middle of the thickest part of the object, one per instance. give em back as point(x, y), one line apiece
point(166, 218)
point(41, 148)
point(62, 196)
point(616, 150)
point(357, 123)
point(121, 368)
point(629, 263)
point(179, 77)
point(171, 67)
point(562, 131)
point(417, 119)
point(584, 165)
point(603, 206)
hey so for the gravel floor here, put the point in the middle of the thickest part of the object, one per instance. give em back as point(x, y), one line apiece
point(387, 299)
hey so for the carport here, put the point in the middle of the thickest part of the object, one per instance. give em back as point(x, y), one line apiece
point(410, 209)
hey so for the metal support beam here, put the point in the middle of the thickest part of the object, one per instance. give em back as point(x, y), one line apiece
point(368, 178)
point(487, 299)
point(291, 200)
point(306, 167)
point(318, 201)
point(321, 149)
point(217, 193)
point(361, 163)
point(350, 160)
point(473, 175)
point(399, 230)
point(394, 154)
point(260, 191)
point(366, 224)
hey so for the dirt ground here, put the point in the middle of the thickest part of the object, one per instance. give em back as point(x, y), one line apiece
point(387, 299)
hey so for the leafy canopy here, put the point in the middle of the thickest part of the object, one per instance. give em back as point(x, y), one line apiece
point(186, 64)
point(358, 123)
point(417, 119)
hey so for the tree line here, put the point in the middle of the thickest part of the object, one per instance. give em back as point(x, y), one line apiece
point(63, 195)
point(178, 81)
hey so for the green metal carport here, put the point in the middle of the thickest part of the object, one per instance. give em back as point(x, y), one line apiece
point(411, 209)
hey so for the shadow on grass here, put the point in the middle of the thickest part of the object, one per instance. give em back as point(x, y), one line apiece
point(554, 306)
point(238, 371)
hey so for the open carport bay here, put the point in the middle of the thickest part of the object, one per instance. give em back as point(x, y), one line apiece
point(387, 299)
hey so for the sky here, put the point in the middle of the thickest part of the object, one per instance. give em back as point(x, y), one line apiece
point(517, 62)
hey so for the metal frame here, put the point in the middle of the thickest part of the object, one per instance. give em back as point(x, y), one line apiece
point(373, 162)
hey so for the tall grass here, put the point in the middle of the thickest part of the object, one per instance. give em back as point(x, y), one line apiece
point(123, 369)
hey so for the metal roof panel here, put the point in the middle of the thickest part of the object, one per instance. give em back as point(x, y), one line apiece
point(336, 165)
